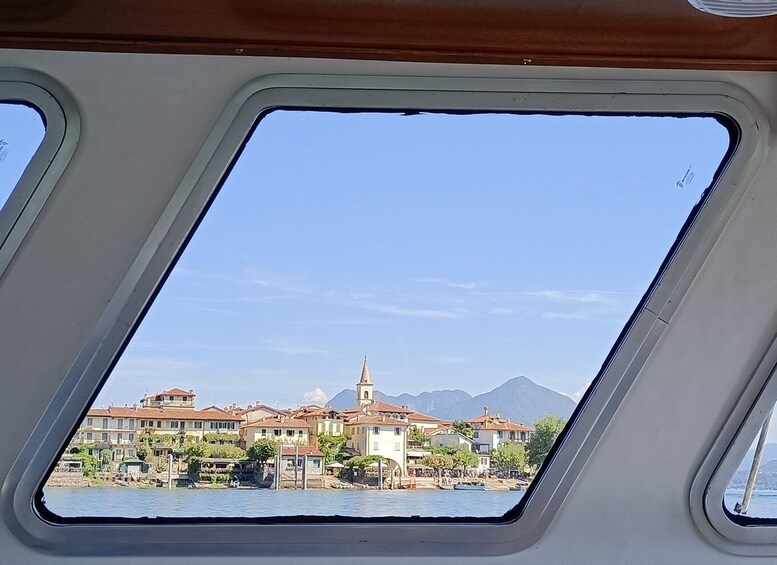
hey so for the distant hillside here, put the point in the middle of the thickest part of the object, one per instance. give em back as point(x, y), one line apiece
point(520, 399)
point(767, 477)
point(770, 454)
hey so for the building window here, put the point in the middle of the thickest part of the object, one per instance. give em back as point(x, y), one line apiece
point(375, 430)
point(120, 424)
point(197, 425)
point(290, 433)
point(476, 434)
point(105, 437)
point(105, 423)
point(119, 436)
point(132, 423)
point(89, 422)
point(397, 431)
point(397, 447)
point(88, 436)
point(142, 423)
point(159, 423)
point(276, 433)
point(131, 437)
point(299, 433)
point(174, 424)
point(264, 431)
point(183, 424)
point(375, 446)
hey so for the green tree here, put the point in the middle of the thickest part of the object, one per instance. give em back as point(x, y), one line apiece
point(195, 451)
point(463, 427)
point(416, 437)
point(442, 450)
point(361, 462)
point(88, 463)
point(511, 456)
point(438, 462)
point(547, 429)
point(106, 456)
point(143, 451)
point(465, 459)
point(226, 452)
point(263, 450)
point(330, 445)
point(222, 438)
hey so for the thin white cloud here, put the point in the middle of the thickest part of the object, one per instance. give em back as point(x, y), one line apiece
point(580, 296)
point(578, 394)
point(315, 396)
point(447, 283)
point(503, 311)
point(414, 312)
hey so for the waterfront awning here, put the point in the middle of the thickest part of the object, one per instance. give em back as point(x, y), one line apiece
point(335, 466)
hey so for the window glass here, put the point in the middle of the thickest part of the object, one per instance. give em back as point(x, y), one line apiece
point(752, 491)
point(21, 133)
point(486, 263)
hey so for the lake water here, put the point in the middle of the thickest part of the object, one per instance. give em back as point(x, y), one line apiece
point(131, 502)
point(763, 504)
point(153, 502)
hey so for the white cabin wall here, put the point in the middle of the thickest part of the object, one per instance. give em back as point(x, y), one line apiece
point(145, 116)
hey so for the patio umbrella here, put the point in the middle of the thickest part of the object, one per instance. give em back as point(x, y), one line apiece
point(335, 465)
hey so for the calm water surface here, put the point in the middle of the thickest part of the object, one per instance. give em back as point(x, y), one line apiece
point(152, 502)
point(180, 502)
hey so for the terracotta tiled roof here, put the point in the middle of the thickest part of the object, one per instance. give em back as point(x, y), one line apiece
point(302, 450)
point(506, 426)
point(379, 406)
point(262, 407)
point(376, 419)
point(160, 413)
point(173, 392)
point(307, 412)
point(277, 422)
point(489, 422)
point(419, 417)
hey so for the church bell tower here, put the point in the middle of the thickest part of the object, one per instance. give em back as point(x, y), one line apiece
point(364, 387)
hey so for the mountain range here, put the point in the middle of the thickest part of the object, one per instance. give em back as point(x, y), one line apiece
point(520, 399)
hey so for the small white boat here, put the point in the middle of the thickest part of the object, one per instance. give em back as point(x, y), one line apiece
point(470, 485)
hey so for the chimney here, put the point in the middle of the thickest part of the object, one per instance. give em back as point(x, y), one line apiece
point(485, 411)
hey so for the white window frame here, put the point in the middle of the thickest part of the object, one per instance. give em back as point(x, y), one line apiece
point(34, 525)
point(739, 535)
point(63, 128)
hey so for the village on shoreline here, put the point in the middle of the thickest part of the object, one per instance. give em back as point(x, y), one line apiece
point(166, 441)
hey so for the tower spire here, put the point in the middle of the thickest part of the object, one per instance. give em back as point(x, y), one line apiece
point(365, 378)
point(364, 387)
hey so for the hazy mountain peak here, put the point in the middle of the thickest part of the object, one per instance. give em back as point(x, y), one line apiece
point(519, 398)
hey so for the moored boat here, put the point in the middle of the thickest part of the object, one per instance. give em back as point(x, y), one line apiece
point(470, 485)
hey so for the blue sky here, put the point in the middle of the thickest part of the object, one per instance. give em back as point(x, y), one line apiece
point(455, 251)
point(21, 133)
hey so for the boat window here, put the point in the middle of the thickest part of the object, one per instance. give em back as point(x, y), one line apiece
point(752, 490)
point(442, 287)
point(21, 133)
